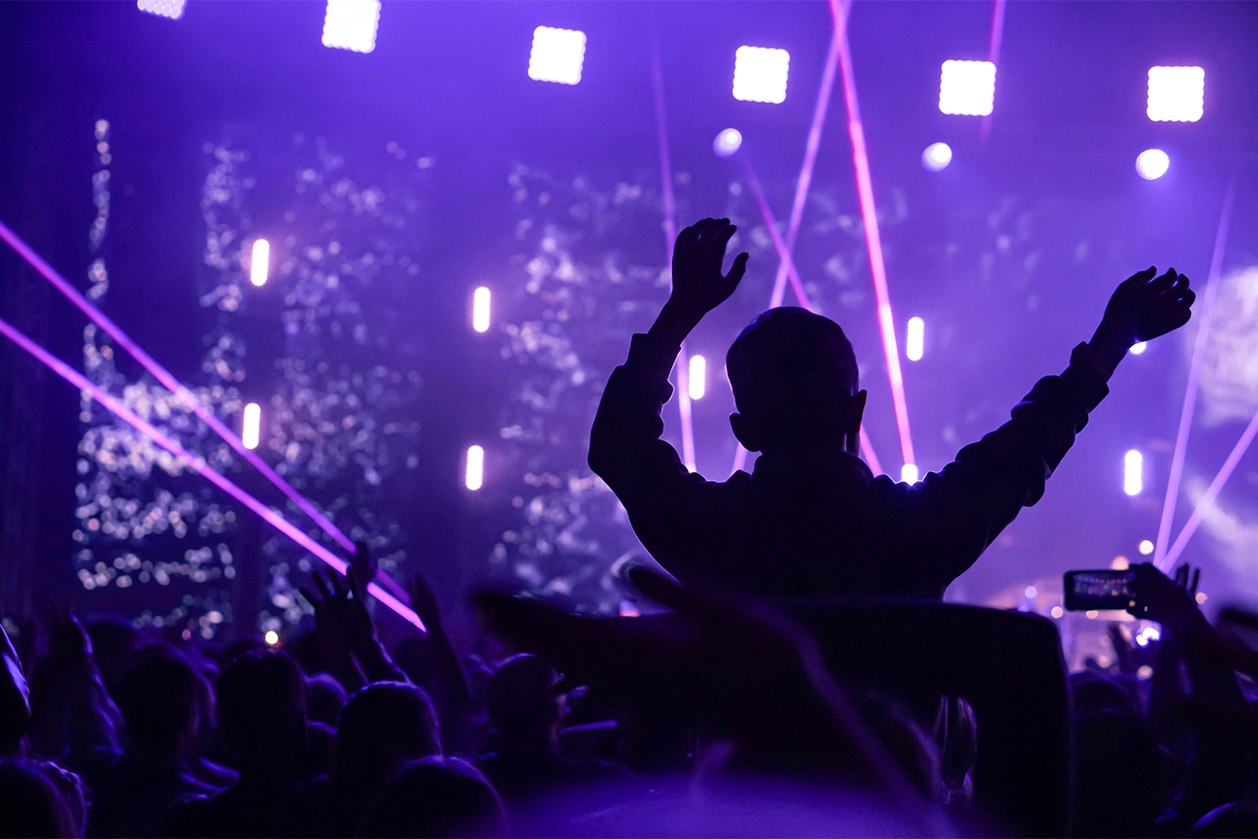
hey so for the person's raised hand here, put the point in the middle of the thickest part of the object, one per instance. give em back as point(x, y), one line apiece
point(1168, 601)
point(699, 284)
point(1144, 307)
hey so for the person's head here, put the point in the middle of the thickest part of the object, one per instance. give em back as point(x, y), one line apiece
point(159, 698)
point(520, 704)
point(34, 801)
point(795, 384)
point(324, 698)
point(262, 707)
point(437, 796)
point(382, 726)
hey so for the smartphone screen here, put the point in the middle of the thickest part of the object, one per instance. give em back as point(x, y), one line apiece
point(1098, 590)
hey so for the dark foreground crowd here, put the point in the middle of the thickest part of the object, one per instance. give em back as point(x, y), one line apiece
point(802, 677)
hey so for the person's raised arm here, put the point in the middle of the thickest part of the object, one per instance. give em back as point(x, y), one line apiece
point(1143, 307)
point(699, 285)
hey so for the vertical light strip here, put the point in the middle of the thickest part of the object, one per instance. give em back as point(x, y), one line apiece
point(474, 472)
point(995, 37)
point(873, 242)
point(480, 309)
point(1133, 472)
point(251, 426)
point(670, 236)
point(197, 464)
point(915, 339)
point(1160, 553)
point(260, 262)
point(698, 375)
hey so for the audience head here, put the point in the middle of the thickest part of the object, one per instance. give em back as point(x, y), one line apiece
point(325, 697)
point(382, 726)
point(436, 796)
point(1238, 819)
point(114, 643)
point(35, 802)
point(262, 705)
point(795, 385)
point(519, 696)
point(159, 699)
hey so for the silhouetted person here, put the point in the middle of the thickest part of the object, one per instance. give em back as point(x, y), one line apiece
point(812, 519)
point(34, 801)
point(159, 700)
point(383, 726)
point(262, 721)
point(437, 796)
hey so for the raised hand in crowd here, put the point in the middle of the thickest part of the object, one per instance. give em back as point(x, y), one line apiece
point(699, 284)
point(1143, 307)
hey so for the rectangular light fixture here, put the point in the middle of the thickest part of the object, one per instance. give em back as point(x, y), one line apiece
point(558, 55)
point(760, 74)
point(1176, 94)
point(967, 88)
point(351, 25)
point(251, 426)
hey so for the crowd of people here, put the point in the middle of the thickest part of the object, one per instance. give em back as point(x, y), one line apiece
point(802, 676)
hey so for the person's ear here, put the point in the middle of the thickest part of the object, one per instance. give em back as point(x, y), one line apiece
point(745, 431)
point(855, 412)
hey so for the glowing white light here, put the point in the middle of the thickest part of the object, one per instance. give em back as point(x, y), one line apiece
point(474, 476)
point(271, 637)
point(1056, 612)
point(1146, 635)
point(351, 25)
point(1152, 164)
point(914, 339)
point(480, 309)
point(1176, 94)
point(1092, 614)
point(1200, 598)
point(172, 9)
point(557, 55)
point(1030, 592)
point(260, 262)
point(727, 142)
point(1145, 547)
point(1137, 349)
point(1133, 472)
point(760, 74)
point(251, 427)
point(908, 473)
point(967, 88)
point(936, 157)
point(697, 383)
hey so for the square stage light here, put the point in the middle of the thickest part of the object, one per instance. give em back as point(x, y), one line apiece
point(967, 88)
point(351, 25)
point(172, 9)
point(760, 74)
point(1176, 94)
point(557, 55)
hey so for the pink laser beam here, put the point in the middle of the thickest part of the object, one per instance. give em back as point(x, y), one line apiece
point(684, 408)
point(994, 40)
point(185, 396)
point(873, 243)
point(1212, 492)
point(1160, 559)
point(198, 465)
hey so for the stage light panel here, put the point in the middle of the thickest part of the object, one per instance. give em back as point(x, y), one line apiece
point(936, 157)
point(1152, 164)
point(914, 339)
point(1176, 94)
point(967, 88)
point(1133, 472)
point(172, 9)
point(474, 475)
point(351, 25)
point(909, 473)
point(697, 382)
point(260, 262)
point(251, 426)
point(558, 55)
point(480, 309)
point(727, 142)
point(760, 74)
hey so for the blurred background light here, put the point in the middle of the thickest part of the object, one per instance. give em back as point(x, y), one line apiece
point(1176, 94)
point(271, 637)
point(1145, 547)
point(936, 157)
point(914, 339)
point(760, 74)
point(1137, 349)
point(697, 382)
point(1133, 472)
point(351, 25)
point(172, 9)
point(558, 55)
point(909, 473)
point(967, 88)
point(480, 309)
point(260, 262)
point(727, 142)
point(1152, 164)
point(251, 426)
point(474, 476)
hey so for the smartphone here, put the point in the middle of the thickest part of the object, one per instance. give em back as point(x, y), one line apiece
point(1098, 590)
